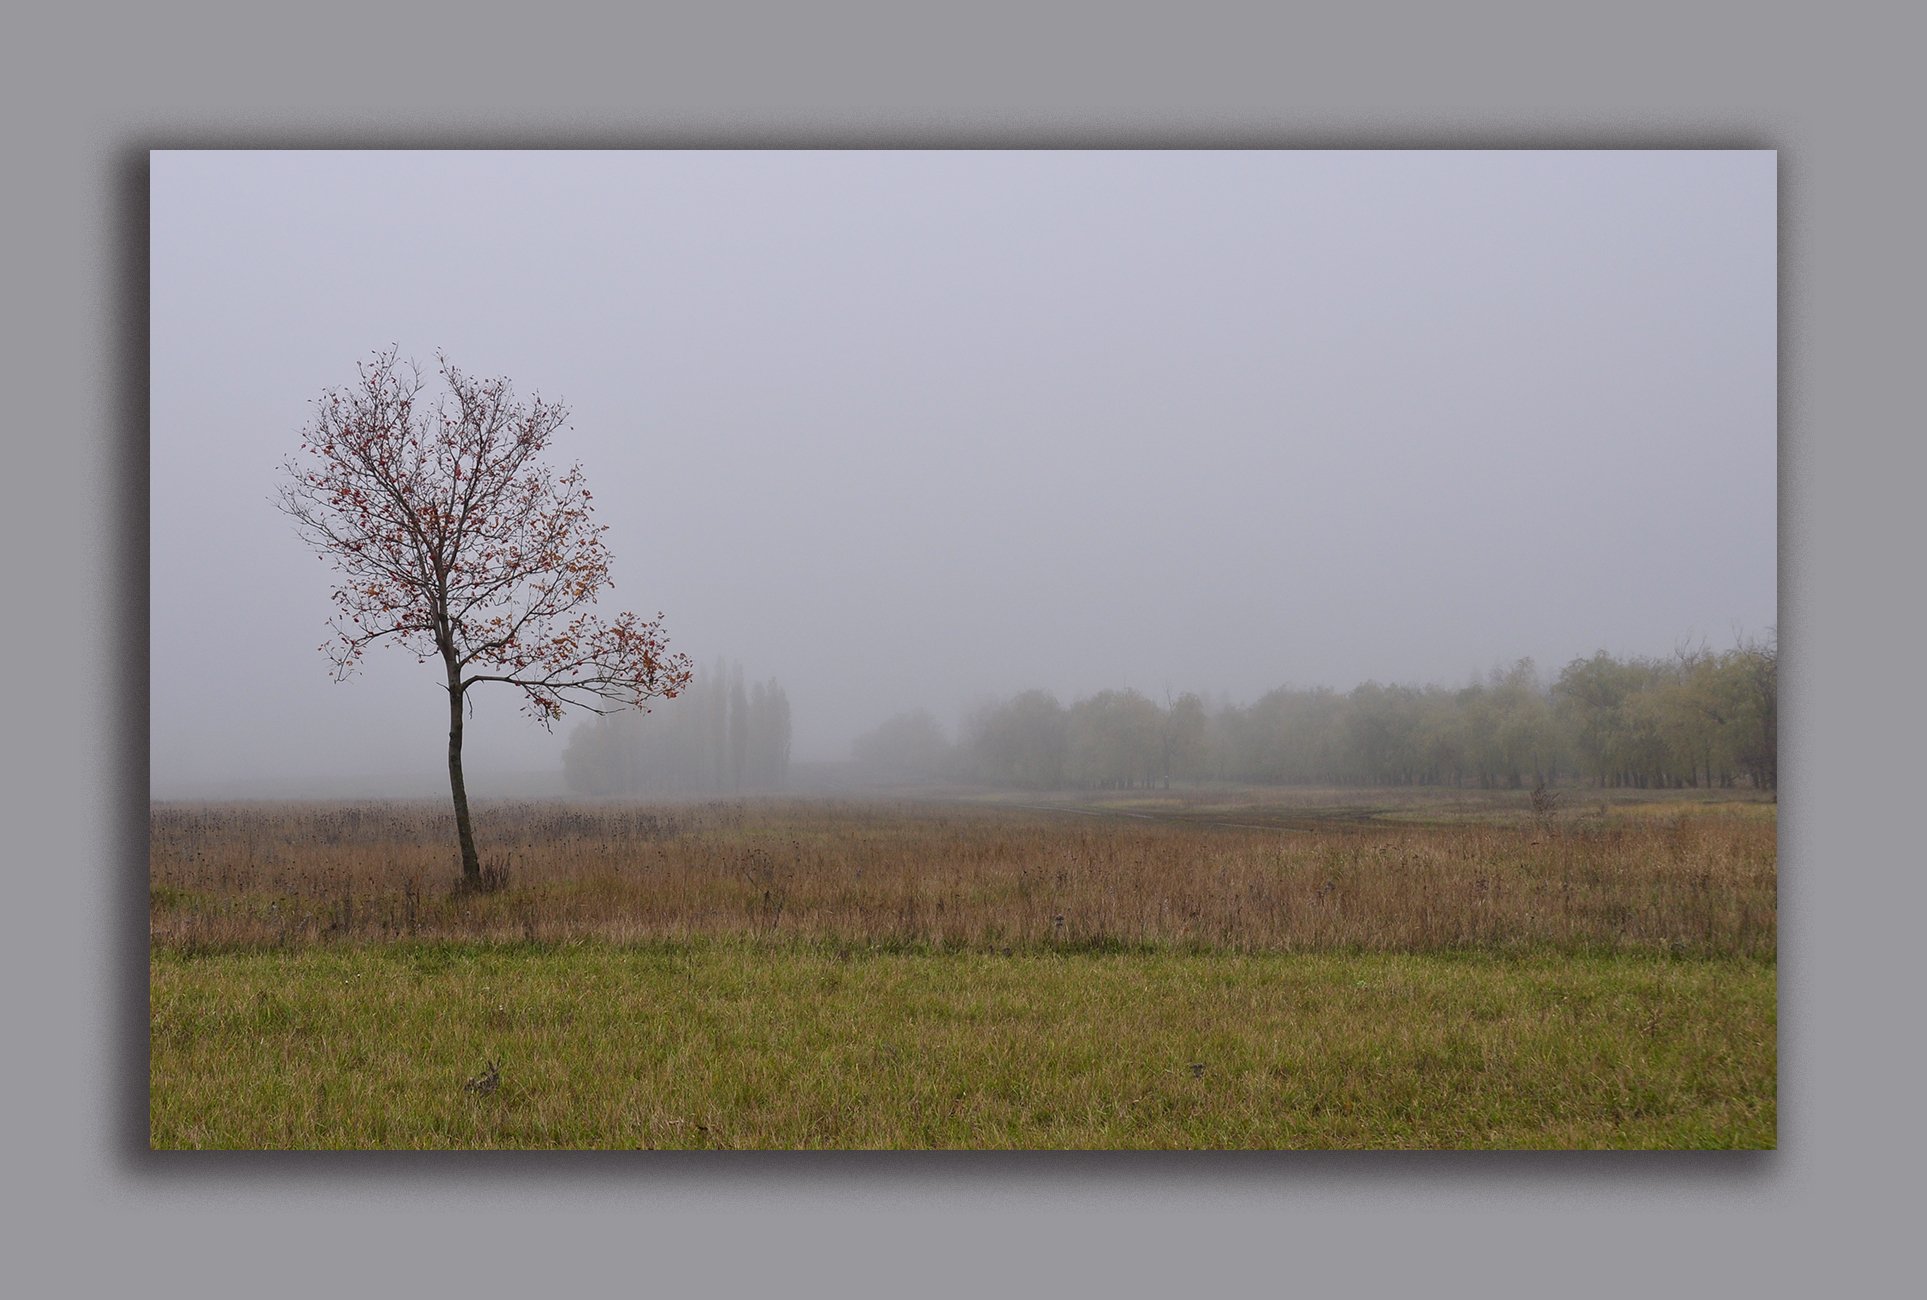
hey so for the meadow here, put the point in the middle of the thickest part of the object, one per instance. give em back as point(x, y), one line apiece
point(1202, 968)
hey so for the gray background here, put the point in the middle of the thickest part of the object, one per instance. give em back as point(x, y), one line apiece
point(87, 95)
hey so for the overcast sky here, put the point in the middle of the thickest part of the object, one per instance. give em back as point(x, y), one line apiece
point(919, 429)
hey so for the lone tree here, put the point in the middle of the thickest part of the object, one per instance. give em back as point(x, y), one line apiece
point(451, 536)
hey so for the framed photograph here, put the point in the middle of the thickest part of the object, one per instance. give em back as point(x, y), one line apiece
point(964, 649)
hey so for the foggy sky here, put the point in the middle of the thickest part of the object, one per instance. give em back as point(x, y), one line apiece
point(919, 429)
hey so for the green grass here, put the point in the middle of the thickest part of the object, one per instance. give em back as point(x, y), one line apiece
point(736, 1043)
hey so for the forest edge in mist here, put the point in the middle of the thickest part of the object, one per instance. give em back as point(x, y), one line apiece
point(1696, 719)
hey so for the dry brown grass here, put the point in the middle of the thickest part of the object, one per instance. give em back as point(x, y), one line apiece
point(1688, 878)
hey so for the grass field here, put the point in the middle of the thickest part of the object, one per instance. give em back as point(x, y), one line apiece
point(742, 1045)
point(1207, 969)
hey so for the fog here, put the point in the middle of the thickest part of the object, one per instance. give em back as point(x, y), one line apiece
point(916, 430)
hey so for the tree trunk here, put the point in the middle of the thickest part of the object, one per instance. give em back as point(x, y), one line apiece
point(471, 863)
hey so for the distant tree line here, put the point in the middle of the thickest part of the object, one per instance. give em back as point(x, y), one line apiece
point(1695, 719)
point(717, 737)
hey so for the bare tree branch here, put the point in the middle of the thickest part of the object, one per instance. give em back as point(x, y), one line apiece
point(450, 535)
